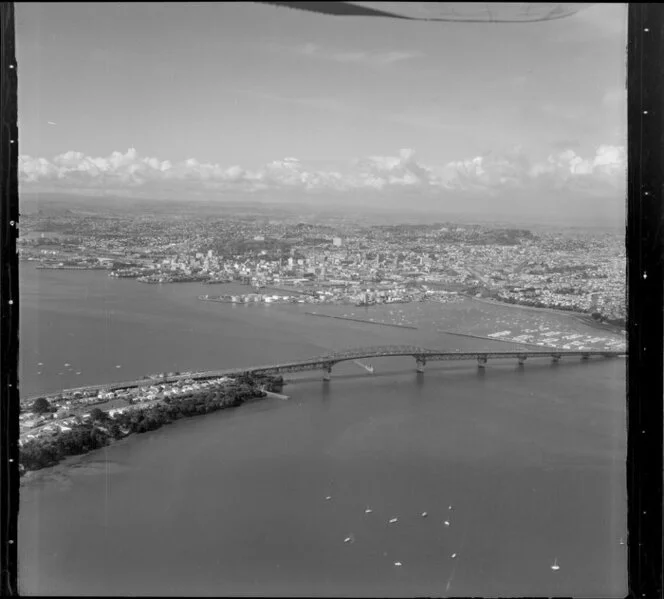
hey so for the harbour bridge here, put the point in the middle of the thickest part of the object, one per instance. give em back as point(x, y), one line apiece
point(326, 362)
point(422, 356)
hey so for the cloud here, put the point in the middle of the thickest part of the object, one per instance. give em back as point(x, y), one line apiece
point(563, 170)
point(379, 172)
point(373, 59)
point(488, 175)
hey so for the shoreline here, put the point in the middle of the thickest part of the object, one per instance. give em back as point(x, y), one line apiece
point(578, 316)
point(46, 452)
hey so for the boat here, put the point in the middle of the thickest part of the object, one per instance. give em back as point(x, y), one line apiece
point(368, 367)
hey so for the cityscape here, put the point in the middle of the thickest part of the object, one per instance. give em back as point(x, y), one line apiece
point(359, 265)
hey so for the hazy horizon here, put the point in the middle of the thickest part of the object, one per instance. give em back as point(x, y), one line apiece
point(522, 121)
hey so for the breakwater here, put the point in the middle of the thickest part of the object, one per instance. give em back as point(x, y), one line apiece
point(219, 299)
point(491, 339)
point(72, 267)
point(274, 395)
point(385, 324)
point(289, 290)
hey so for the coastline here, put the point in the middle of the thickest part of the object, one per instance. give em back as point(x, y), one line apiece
point(579, 316)
point(47, 452)
point(59, 472)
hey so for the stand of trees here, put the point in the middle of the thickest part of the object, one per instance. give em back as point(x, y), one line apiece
point(41, 405)
point(101, 429)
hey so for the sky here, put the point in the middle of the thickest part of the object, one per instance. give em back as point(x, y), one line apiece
point(237, 100)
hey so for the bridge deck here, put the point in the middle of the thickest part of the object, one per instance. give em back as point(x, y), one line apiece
point(324, 361)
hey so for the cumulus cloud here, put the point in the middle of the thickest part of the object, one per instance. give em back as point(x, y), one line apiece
point(565, 169)
point(488, 174)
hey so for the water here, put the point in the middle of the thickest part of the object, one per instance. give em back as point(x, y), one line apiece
point(532, 459)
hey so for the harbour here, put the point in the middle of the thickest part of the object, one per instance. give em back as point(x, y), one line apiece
point(396, 441)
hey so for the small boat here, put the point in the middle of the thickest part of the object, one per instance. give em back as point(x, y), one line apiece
point(393, 520)
point(424, 514)
point(555, 565)
point(368, 367)
point(397, 564)
point(368, 510)
point(446, 523)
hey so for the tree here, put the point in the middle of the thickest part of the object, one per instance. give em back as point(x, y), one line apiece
point(115, 431)
point(98, 415)
point(41, 405)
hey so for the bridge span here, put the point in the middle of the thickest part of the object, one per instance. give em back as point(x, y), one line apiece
point(422, 356)
point(327, 361)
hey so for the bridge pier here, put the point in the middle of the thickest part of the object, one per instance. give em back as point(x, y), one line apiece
point(327, 372)
point(420, 364)
point(522, 360)
point(556, 358)
point(481, 361)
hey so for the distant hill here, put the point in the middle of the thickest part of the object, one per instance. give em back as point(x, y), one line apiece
point(522, 210)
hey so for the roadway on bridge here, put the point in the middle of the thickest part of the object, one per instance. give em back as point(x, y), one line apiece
point(327, 361)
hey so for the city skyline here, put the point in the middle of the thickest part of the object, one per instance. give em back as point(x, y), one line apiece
point(311, 108)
